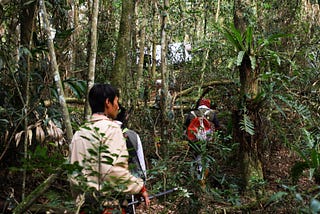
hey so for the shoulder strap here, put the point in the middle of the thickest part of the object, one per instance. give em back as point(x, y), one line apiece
point(124, 130)
point(194, 114)
point(207, 112)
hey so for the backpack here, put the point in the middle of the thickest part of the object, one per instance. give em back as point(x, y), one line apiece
point(200, 128)
point(136, 157)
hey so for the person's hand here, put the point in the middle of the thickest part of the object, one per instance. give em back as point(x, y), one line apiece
point(145, 196)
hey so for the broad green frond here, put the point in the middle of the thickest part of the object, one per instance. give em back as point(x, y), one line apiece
point(234, 37)
point(78, 87)
point(232, 40)
point(240, 57)
point(237, 35)
point(249, 39)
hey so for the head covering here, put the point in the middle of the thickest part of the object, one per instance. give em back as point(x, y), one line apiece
point(205, 102)
point(158, 82)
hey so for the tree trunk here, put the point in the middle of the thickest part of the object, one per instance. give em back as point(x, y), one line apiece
point(93, 53)
point(75, 36)
point(165, 99)
point(56, 75)
point(27, 29)
point(123, 46)
point(141, 46)
point(154, 39)
point(249, 144)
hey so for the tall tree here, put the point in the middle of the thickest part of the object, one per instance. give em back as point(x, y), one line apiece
point(27, 18)
point(123, 45)
point(92, 52)
point(75, 36)
point(56, 74)
point(248, 113)
point(154, 38)
point(165, 101)
point(142, 36)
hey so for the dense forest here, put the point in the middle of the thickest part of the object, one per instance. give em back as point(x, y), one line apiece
point(257, 61)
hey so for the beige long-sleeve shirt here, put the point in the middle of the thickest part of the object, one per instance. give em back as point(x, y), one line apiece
point(103, 130)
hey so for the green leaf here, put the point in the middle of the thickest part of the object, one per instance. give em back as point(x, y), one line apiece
point(78, 87)
point(234, 37)
point(272, 39)
point(240, 57)
point(85, 137)
point(278, 107)
point(253, 62)
point(315, 205)
point(238, 37)
point(92, 152)
point(314, 158)
point(300, 152)
point(276, 197)
point(311, 173)
point(299, 197)
point(247, 125)
point(232, 40)
point(249, 39)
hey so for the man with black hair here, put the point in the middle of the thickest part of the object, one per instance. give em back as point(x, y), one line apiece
point(102, 130)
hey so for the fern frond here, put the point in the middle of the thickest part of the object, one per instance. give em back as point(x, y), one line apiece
point(302, 110)
point(309, 138)
point(297, 170)
point(247, 125)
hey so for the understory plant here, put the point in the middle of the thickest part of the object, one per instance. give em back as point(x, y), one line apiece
point(310, 155)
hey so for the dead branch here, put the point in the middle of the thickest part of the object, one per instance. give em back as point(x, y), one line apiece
point(205, 85)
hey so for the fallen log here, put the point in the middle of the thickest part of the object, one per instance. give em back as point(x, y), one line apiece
point(33, 196)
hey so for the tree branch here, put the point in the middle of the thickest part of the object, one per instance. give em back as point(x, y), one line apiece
point(33, 196)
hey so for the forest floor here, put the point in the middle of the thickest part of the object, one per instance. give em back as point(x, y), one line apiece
point(277, 176)
point(277, 173)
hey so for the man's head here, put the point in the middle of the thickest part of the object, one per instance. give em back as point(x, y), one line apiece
point(122, 116)
point(103, 98)
point(205, 102)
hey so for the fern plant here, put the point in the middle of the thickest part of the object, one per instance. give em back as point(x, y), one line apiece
point(310, 157)
point(246, 124)
point(246, 44)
